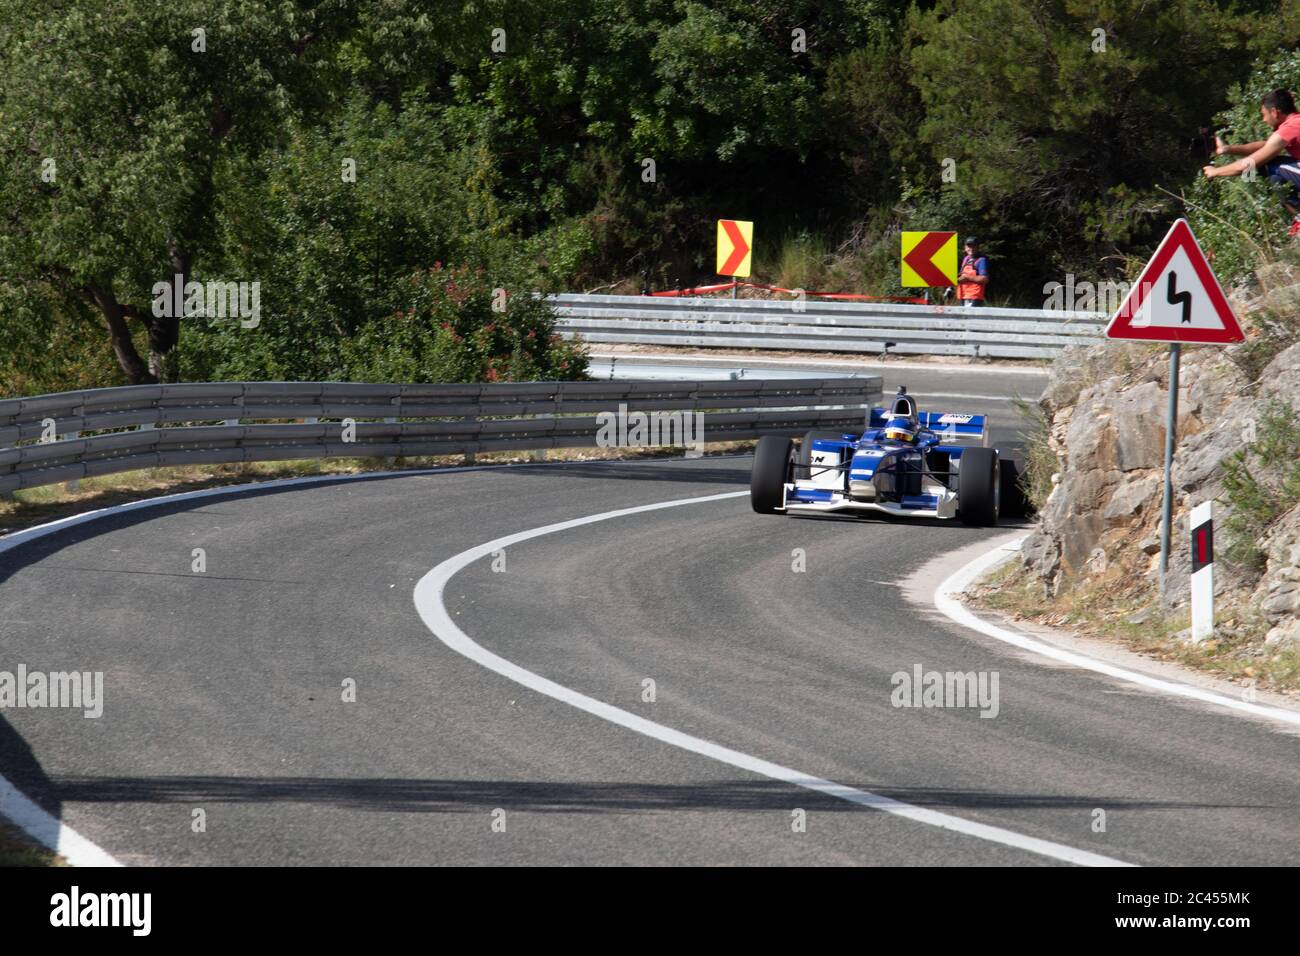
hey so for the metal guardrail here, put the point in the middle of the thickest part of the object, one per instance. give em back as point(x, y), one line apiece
point(825, 326)
point(44, 440)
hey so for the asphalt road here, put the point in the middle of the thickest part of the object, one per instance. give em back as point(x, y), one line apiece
point(223, 690)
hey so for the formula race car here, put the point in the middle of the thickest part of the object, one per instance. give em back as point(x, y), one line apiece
point(921, 464)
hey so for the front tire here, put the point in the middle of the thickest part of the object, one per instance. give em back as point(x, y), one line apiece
point(772, 460)
point(979, 486)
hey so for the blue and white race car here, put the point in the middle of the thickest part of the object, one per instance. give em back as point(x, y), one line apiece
point(906, 462)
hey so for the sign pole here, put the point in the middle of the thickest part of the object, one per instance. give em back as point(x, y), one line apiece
point(1171, 421)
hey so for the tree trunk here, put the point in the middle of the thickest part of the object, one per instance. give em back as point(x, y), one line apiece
point(163, 335)
point(123, 347)
point(165, 331)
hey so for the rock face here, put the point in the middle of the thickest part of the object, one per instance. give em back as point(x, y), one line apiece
point(1106, 408)
point(1278, 593)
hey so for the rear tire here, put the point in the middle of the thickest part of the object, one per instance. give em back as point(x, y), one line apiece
point(1014, 504)
point(772, 460)
point(978, 486)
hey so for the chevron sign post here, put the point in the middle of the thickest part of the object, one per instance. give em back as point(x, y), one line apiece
point(1178, 300)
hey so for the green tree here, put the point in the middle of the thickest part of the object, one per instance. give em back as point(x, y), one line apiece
point(117, 118)
point(334, 223)
point(1064, 117)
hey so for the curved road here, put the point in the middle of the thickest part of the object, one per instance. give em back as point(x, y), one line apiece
point(223, 689)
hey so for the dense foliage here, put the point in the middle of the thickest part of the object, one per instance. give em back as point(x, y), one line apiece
point(334, 151)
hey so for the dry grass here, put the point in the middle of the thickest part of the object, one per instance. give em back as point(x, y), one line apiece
point(17, 849)
point(1112, 607)
point(803, 262)
point(1040, 462)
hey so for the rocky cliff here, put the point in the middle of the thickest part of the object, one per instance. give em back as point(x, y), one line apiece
point(1105, 409)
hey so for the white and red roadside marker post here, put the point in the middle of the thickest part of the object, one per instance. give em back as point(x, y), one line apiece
point(1202, 528)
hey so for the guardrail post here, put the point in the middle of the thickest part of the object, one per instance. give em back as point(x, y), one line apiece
point(73, 486)
point(389, 460)
point(313, 421)
point(538, 454)
point(470, 457)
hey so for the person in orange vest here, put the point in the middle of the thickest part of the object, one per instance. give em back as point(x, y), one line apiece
point(973, 276)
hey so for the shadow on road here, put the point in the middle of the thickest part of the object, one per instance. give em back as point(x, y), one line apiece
point(18, 765)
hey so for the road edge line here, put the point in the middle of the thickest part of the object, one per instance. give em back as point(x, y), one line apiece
point(947, 599)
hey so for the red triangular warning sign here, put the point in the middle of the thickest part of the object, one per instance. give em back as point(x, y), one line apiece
point(1177, 298)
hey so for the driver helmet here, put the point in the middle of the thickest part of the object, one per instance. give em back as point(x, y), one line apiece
point(900, 429)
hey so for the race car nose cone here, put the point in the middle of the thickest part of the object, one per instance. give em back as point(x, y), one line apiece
point(862, 490)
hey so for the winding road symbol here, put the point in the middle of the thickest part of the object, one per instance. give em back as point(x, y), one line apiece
point(1174, 297)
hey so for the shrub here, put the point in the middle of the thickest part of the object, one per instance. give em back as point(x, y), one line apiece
point(1040, 460)
point(452, 331)
point(802, 261)
point(1262, 482)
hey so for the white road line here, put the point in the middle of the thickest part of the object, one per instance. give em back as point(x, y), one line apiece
point(429, 602)
point(963, 395)
point(947, 601)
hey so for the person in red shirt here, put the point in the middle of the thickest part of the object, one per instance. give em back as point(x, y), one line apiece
point(1277, 157)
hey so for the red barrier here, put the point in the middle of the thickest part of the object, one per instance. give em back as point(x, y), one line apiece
point(705, 289)
point(698, 290)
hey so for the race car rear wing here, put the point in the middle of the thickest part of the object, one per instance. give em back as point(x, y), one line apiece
point(951, 426)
